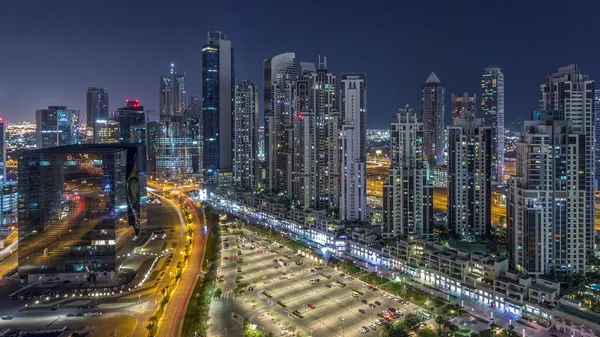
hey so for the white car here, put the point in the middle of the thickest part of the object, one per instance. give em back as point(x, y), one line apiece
point(225, 266)
point(373, 326)
point(363, 330)
point(363, 285)
point(385, 312)
point(284, 332)
point(378, 322)
point(338, 301)
point(342, 318)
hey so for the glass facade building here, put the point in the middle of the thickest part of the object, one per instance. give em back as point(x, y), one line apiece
point(56, 126)
point(218, 87)
point(129, 117)
point(75, 203)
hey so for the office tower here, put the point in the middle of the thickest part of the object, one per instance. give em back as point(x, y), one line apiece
point(171, 159)
point(492, 107)
point(434, 110)
point(96, 108)
point(179, 92)
point(279, 85)
point(166, 96)
point(193, 121)
point(547, 204)
point(2, 149)
point(218, 82)
point(407, 195)
point(597, 139)
point(316, 149)
point(469, 177)
point(353, 108)
point(107, 132)
point(460, 103)
point(129, 117)
point(78, 205)
point(245, 135)
point(571, 94)
point(56, 126)
point(8, 207)
point(154, 143)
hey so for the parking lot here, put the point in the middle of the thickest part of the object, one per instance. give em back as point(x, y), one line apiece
point(301, 295)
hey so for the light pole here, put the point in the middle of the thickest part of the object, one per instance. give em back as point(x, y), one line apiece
point(323, 311)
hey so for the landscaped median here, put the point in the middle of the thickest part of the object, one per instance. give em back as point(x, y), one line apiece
point(196, 316)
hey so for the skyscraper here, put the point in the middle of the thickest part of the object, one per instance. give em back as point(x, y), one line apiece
point(193, 121)
point(2, 149)
point(434, 110)
point(570, 94)
point(129, 117)
point(107, 132)
point(179, 93)
point(547, 204)
point(56, 126)
point(72, 203)
point(492, 107)
point(407, 195)
point(218, 82)
point(469, 177)
point(96, 108)
point(245, 162)
point(317, 158)
point(353, 107)
point(166, 96)
point(460, 103)
point(279, 86)
point(597, 139)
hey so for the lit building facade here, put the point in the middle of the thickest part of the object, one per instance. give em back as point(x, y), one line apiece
point(460, 103)
point(597, 139)
point(218, 78)
point(193, 121)
point(3, 143)
point(492, 108)
point(245, 132)
point(547, 200)
point(469, 177)
point(407, 195)
point(279, 86)
point(56, 126)
point(571, 95)
point(434, 111)
point(74, 202)
point(129, 117)
point(353, 107)
point(96, 108)
point(317, 156)
point(107, 132)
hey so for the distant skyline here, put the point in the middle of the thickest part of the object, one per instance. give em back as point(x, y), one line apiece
point(52, 54)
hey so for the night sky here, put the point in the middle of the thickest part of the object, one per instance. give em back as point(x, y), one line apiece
point(51, 51)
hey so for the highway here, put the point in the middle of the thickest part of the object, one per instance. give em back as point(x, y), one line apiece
point(171, 323)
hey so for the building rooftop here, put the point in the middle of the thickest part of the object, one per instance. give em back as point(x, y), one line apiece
point(540, 287)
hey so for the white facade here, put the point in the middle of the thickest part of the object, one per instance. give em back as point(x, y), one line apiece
point(547, 203)
point(353, 200)
point(407, 196)
point(245, 143)
point(569, 95)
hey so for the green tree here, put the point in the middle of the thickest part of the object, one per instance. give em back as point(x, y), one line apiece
point(218, 293)
point(410, 322)
point(392, 330)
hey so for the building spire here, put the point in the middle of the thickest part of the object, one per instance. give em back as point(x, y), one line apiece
point(433, 78)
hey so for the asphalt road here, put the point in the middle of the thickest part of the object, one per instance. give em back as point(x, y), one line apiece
point(126, 314)
point(171, 323)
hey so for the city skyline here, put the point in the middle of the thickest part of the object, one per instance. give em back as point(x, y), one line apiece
point(144, 62)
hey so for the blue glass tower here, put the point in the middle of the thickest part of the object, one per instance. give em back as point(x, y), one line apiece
point(218, 79)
